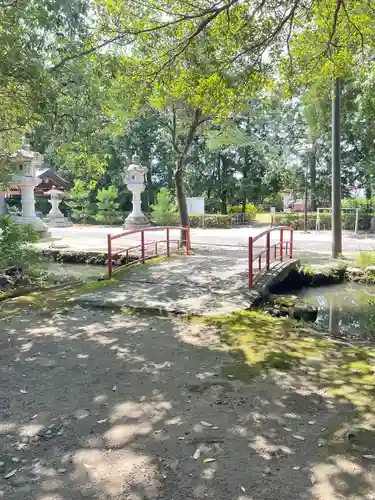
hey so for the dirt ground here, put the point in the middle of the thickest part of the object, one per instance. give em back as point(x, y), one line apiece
point(99, 405)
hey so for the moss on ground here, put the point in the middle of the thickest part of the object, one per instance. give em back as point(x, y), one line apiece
point(263, 344)
point(55, 298)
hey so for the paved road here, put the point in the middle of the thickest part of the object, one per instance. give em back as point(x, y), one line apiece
point(315, 247)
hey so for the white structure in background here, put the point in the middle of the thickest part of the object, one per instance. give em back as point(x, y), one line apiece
point(195, 206)
point(134, 178)
point(55, 218)
point(28, 161)
point(3, 205)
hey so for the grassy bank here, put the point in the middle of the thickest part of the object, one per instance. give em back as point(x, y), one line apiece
point(262, 344)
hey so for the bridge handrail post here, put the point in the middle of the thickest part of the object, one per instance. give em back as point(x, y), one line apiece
point(268, 250)
point(250, 257)
point(188, 241)
point(109, 257)
point(291, 242)
point(168, 248)
point(281, 243)
point(143, 246)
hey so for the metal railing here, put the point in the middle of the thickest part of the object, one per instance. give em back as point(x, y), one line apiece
point(271, 253)
point(139, 253)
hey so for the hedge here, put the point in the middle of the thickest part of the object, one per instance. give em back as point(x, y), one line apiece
point(217, 220)
point(296, 219)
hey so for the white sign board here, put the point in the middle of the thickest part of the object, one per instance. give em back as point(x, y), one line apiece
point(195, 206)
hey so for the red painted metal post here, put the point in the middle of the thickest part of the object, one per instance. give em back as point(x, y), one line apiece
point(281, 243)
point(188, 241)
point(109, 243)
point(291, 243)
point(268, 250)
point(250, 262)
point(143, 246)
point(168, 248)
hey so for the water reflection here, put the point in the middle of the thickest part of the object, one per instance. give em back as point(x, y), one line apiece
point(347, 309)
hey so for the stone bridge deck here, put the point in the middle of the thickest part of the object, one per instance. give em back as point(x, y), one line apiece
point(199, 284)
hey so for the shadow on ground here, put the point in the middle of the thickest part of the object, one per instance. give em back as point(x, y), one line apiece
point(101, 405)
point(195, 285)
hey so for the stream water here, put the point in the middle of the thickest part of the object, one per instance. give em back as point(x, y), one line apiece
point(347, 309)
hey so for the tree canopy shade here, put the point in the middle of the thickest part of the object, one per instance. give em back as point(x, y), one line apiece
point(318, 34)
point(33, 33)
point(87, 76)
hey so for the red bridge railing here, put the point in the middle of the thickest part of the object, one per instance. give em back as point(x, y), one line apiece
point(267, 253)
point(141, 252)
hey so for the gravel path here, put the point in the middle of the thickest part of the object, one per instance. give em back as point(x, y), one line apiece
point(103, 406)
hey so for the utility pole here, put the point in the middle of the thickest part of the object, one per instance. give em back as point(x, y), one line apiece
point(336, 173)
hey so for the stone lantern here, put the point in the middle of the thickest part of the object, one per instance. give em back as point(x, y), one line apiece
point(134, 178)
point(55, 218)
point(27, 162)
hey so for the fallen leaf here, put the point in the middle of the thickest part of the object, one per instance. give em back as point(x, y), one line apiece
point(208, 460)
point(311, 422)
point(215, 428)
point(288, 429)
point(10, 474)
point(22, 391)
point(312, 479)
point(197, 454)
point(296, 467)
point(205, 424)
point(243, 489)
point(114, 388)
point(369, 457)
point(181, 438)
point(102, 421)
point(297, 436)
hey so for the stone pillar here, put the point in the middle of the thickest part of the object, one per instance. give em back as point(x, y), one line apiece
point(27, 185)
point(27, 197)
point(3, 205)
point(134, 179)
point(55, 218)
point(27, 162)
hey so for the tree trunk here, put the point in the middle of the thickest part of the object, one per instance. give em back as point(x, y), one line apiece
point(181, 199)
point(223, 184)
point(313, 180)
point(245, 172)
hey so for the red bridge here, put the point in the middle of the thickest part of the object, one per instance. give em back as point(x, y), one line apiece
point(262, 252)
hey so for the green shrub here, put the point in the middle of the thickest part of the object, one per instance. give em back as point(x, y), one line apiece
point(164, 211)
point(237, 209)
point(348, 220)
point(108, 206)
point(365, 259)
point(210, 220)
point(276, 201)
point(15, 244)
point(296, 219)
point(362, 203)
